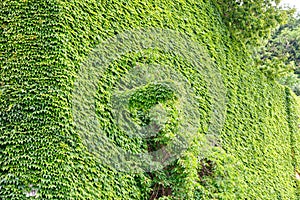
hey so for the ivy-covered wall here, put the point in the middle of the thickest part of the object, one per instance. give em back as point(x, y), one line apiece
point(42, 47)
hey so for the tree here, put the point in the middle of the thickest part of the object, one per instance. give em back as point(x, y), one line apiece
point(252, 21)
point(280, 57)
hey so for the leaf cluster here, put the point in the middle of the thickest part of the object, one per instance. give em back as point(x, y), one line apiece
point(42, 46)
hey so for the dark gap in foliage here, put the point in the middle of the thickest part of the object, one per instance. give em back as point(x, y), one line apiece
point(207, 169)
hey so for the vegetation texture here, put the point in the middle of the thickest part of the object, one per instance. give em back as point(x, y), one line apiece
point(280, 58)
point(252, 21)
point(42, 45)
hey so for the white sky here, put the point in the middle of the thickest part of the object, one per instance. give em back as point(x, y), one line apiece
point(292, 3)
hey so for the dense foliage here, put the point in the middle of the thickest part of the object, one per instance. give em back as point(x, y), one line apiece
point(280, 57)
point(43, 44)
point(252, 21)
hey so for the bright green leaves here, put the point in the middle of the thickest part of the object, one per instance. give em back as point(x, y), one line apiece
point(279, 58)
point(154, 106)
point(150, 95)
point(42, 46)
point(252, 21)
